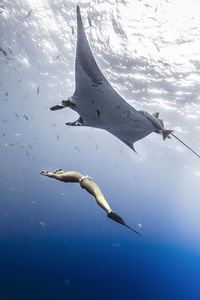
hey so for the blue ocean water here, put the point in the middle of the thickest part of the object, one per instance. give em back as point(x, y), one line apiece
point(56, 243)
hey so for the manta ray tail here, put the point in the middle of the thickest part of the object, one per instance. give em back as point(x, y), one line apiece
point(118, 219)
point(166, 133)
point(186, 145)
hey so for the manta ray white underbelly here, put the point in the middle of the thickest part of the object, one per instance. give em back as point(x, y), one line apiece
point(97, 103)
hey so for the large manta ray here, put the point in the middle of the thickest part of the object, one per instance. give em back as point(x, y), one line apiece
point(100, 106)
point(97, 103)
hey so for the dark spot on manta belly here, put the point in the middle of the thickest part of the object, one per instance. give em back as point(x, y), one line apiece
point(98, 112)
point(117, 107)
point(92, 101)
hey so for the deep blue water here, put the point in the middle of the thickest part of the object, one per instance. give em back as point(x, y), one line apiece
point(82, 268)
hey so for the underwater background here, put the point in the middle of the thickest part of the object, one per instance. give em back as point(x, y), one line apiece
point(55, 242)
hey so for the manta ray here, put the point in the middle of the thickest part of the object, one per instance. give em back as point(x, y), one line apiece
point(100, 106)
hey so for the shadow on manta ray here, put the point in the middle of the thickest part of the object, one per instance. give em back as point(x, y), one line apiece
point(100, 106)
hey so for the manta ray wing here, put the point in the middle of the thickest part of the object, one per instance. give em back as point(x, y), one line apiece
point(98, 103)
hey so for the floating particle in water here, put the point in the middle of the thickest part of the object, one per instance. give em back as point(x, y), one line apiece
point(26, 117)
point(16, 114)
point(67, 281)
point(27, 96)
point(72, 30)
point(62, 194)
point(77, 148)
point(6, 94)
point(140, 226)
point(17, 134)
point(116, 245)
point(38, 90)
point(42, 223)
point(5, 121)
point(30, 146)
point(54, 125)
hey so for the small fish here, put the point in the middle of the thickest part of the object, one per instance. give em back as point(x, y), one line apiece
point(158, 49)
point(6, 94)
point(27, 154)
point(90, 22)
point(9, 49)
point(3, 51)
point(29, 13)
point(26, 117)
point(72, 30)
point(38, 90)
point(1, 9)
point(30, 146)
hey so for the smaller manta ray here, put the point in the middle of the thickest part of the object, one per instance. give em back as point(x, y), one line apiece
point(100, 106)
point(91, 187)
